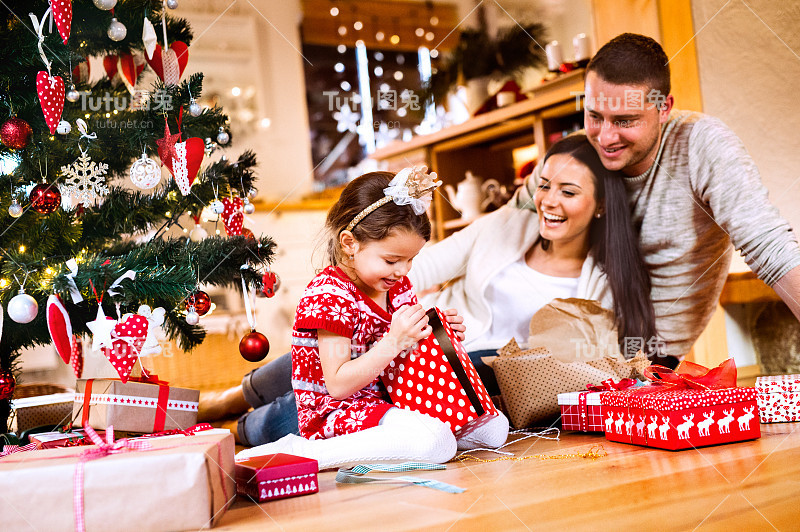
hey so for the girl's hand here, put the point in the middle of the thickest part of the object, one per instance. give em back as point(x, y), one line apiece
point(409, 325)
point(456, 323)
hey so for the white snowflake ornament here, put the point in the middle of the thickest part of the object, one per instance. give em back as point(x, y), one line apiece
point(84, 180)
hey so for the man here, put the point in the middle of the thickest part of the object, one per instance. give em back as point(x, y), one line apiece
point(693, 191)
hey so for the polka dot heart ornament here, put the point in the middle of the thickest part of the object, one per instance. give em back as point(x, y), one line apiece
point(62, 13)
point(233, 215)
point(128, 338)
point(51, 97)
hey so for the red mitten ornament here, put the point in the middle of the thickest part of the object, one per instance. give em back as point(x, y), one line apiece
point(169, 64)
point(62, 12)
point(77, 356)
point(60, 327)
point(233, 215)
point(185, 163)
point(51, 98)
point(270, 283)
point(129, 335)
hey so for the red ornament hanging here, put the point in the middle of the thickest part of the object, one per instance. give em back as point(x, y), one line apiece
point(270, 283)
point(200, 301)
point(16, 133)
point(45, 198)
point(7, 385)
point(254, 346)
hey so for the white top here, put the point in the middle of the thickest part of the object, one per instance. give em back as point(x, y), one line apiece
point(504, 292)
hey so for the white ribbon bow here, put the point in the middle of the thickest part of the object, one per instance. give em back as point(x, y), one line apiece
point(39, 27)
point(72, 264)
point(398, 188)
point(130, 274)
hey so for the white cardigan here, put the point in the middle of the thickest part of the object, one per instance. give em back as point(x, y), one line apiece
point(471, 257)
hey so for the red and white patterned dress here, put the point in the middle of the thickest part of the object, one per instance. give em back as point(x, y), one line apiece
point(332, 302)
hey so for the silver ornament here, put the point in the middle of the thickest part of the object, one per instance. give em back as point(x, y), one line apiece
point(22, 308)
point(197, 234)
point(252, 193)
point(217, 207)
point(145, 173)
point(194, 108)
point(249, 208)
point(105, 5)
point(192, 318)
point(73, 95)
point(63, 128)
point(223, 137)
point(172, 4)
point(15, 209)
point(117, 30)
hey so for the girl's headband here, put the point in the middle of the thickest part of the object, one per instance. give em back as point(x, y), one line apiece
point(409, 187)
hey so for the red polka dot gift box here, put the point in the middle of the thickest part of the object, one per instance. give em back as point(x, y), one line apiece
point(438, 379)
point(778, 398)
point(683, 411)
point(134, 406)
point(276, 476)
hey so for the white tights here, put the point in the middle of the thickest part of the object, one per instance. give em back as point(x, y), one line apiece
point(401, 435)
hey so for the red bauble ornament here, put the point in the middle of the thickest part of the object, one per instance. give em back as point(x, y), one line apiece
point(16, 133)
point(8, 383)
point(200, 301)
point(254, 346)
point(45, 198)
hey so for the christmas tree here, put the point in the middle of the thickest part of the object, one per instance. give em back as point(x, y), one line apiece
point(72, 224)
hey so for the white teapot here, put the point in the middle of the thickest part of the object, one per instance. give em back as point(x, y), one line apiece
point(473, 195)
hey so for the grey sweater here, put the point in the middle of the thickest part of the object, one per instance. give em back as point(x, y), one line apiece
point(702, 193)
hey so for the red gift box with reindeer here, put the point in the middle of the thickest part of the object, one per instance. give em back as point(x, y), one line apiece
point(690, 408)
point(439, 379)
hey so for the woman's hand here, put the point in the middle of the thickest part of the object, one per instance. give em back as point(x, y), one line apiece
point(456, 323)
point(409, 326)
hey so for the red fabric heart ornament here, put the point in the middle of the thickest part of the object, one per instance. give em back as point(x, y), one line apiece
point(129, 335)
point(51, 97)
point(185, 163)
point(81, 73)
point(129, 67)
point(62, 12)
point(77, 356)
point(169, 64)
point(233, 215)
point(60, 327)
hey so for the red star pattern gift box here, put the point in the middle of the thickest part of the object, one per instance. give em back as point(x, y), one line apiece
point(581, 411)
point(134, 406)
point(778, 398)
point(276, 476)
point(691, 408)
point(158, 484)
point(438, 379)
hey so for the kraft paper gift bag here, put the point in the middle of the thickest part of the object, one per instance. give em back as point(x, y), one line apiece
point(575, 345)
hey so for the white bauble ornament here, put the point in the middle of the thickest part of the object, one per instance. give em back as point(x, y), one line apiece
point(217, 207)
point(248, 208)
point(145, 173)
point(252, 193)
point(117, 30)
point(172, 4)
point(197, 234)
point(194, 108)
point(15, 209)
point(63, 128)
point(192, 318)
point(73, 95)
point(105, 5)
point(223, 137)
point(22, 308)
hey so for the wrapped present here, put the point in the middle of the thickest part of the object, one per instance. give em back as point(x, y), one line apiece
point(52, 410)
point(439, 379)
point(685, 410)
point(778, 398)
point(154, 485)
point(276, 476)
point(53, 440)
point(134, 406)
point(581, 411)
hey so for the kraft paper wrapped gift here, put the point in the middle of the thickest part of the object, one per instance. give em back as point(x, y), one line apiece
point(134, 406)
point(178, 484)
point(53, 410)
point(778, 398)
point(276, 476)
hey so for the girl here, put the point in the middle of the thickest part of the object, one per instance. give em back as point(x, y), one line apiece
point(354, 318)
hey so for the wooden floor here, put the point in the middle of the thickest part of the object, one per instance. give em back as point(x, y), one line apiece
point(751, 485)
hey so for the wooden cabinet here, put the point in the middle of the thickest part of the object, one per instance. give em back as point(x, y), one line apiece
point(485, 145)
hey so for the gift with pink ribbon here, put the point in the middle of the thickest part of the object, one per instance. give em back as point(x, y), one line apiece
point(689, 407)
point(580, 411)
point(172, 483)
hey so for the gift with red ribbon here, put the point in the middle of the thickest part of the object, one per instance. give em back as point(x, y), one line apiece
point(580, 411)
point(168, 484)
point(141, 405)
point(689, 407)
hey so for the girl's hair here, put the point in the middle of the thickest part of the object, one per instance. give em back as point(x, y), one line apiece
point(615, 247)
point(377, 225)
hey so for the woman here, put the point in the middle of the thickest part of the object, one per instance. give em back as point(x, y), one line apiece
point(507, 264)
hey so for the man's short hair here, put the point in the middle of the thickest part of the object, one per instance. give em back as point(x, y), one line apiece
point(632, 59)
